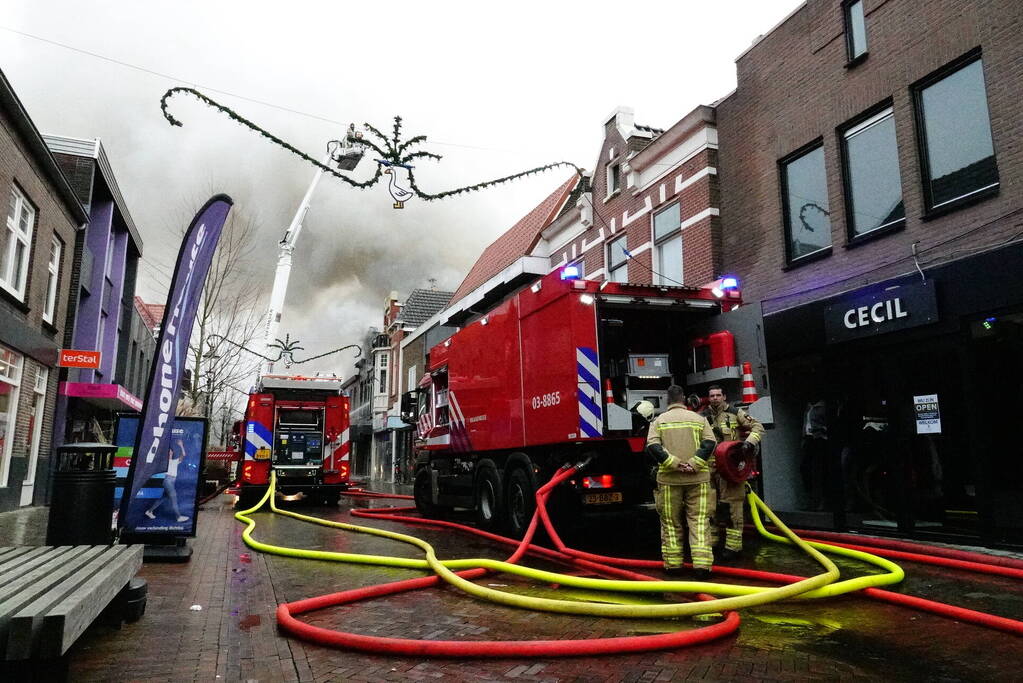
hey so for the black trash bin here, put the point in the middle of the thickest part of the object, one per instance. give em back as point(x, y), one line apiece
point(82, 501)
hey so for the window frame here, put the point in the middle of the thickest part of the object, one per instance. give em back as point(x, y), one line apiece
point(916, 90)
point(611, 268)
point(19, 290)
point(613, 169)
point(52, 279)
point(657, 242)
point(12, 376)
point(853, 59)
point(783, 185)
point(859, 124)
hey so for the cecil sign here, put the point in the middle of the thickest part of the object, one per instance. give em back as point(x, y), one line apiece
point(888, 310)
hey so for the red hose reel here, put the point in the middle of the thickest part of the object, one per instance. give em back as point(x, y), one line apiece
point(733, 463)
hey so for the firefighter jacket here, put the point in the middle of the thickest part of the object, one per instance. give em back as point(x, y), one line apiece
point(680, 431)
point(730, 423)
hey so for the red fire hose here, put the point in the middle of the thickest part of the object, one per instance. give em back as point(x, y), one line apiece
point(909, 546)
point(509, 648)
point(942, 609)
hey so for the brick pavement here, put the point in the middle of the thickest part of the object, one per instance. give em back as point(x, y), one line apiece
point(234, 636)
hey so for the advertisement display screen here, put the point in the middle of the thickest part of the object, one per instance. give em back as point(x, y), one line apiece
point(166, 502)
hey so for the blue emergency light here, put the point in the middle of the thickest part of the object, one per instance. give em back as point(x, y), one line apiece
point(570, 273)
point(729, 283)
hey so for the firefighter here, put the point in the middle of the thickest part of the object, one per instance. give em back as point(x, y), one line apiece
point(682, 442)
point(730, 423)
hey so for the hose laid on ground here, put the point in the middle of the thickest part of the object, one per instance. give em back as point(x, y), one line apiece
point(206, 499)
point(742, 596)
point(287, 621)
point(975, 617)
point(747, 596)
point(911, 547)
point(980, 567)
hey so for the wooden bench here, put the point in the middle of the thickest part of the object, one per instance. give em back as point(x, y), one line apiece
point(49, 595)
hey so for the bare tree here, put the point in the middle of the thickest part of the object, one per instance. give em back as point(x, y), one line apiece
point(229, 317)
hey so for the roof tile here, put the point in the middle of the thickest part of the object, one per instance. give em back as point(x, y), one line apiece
point(516, 242)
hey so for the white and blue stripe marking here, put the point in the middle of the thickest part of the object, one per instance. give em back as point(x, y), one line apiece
point(591, 415)
point(256, 436)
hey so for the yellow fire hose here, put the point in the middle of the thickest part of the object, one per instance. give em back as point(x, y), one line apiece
point(821, 585)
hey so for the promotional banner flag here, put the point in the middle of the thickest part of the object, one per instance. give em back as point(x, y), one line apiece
point(151, 454)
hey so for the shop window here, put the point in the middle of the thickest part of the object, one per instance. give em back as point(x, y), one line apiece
point(617, 261)
point(14, 263)
point(873, 184)
point(805, 209)
point(855, 31)
point(668, 246)
point(52, 277)
point(10, 379)
point(957, 156)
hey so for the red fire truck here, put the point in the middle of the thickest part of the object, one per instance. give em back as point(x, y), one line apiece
point(298, 427)
point(549, 375)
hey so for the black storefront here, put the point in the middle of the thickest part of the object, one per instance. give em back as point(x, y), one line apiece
point(899, 407)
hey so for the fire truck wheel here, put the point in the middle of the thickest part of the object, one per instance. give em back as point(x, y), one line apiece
point(489, 501)
point(423, 495)
point(521, 501)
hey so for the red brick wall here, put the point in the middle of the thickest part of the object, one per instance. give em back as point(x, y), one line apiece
point(794, 87)
point(17, 166)
point(701, 259)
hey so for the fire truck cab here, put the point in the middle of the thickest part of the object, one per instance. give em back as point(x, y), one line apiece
point(297, 427)
point(551, 375)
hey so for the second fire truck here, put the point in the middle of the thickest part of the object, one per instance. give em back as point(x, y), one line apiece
point(549, 376)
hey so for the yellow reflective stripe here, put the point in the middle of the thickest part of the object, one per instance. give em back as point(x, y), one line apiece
point(678, 425)
point(668, 520)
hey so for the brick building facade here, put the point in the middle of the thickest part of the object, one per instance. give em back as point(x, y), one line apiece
point(870, 157)
point(652, 191)
point(36, 243)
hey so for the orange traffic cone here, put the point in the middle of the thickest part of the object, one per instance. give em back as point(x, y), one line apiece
point(609, 396)
point(749, 388)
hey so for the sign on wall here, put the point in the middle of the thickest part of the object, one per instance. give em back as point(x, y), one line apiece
point(928, 416)
point(74, 358)
point(879, 311)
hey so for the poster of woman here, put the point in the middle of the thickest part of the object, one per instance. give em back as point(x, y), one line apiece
point(166, 503)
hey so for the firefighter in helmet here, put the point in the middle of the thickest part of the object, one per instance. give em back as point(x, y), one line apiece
point(730, 423)
point(683, 444)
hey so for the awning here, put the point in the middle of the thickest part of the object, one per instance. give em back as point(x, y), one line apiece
point(109, 396)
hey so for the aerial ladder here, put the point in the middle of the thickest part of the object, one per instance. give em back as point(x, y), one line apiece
point(345, 154)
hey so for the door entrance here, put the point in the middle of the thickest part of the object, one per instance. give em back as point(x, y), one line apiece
point(902, 440)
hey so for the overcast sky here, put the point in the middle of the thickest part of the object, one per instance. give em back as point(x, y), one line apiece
point(497, 88)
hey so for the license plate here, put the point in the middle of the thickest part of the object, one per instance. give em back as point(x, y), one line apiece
point(602, 498)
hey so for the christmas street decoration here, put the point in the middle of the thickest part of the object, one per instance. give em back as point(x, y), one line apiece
point(394, 154)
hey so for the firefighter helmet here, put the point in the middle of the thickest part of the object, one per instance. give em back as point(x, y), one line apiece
point(645, 409)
